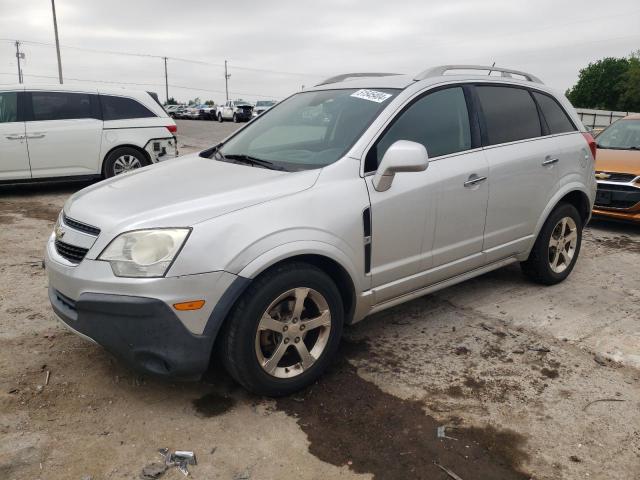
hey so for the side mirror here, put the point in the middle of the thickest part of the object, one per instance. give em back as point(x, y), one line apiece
point(402, 156)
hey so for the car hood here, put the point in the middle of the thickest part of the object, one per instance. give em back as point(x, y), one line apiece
point(619, 161)
point(180, 192)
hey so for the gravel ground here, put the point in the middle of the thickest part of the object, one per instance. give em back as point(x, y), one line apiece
point(530, 382)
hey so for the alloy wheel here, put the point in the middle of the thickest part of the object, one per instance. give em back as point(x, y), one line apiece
point(125, 163)
point(562, 244)
point(293, 332)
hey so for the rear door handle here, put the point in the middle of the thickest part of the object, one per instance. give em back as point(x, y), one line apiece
point(36, 135)
point(550, 161)
point(474, 180)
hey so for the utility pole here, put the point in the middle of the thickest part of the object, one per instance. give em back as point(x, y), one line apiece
point(55, 29)
point(166, 81)
point(19, 56)
point(226, 80)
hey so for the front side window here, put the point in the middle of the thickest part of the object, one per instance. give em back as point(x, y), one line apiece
point(621, 135)
point(556, 118)
point(439, 121)
point(8, 107)
point(510, 114)
point(121, 108)
point(60, 106)
point(310, 129)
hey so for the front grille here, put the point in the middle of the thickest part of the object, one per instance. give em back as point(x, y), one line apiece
point(83, 227)
point(619, 177)
point(617, 196)
point(70, 252)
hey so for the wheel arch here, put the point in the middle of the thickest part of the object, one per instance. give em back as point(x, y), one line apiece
point(574, 194)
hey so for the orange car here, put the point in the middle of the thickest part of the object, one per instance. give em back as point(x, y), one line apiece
point(618, 170)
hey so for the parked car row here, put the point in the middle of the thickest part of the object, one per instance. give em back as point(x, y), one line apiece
point(232, 110)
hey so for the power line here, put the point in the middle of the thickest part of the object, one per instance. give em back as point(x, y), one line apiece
point(108, 82)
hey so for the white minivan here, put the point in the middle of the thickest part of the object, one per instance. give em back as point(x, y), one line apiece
point(55, 132)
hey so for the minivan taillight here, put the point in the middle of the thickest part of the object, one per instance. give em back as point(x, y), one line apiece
point(592, 143)
point(172, 128)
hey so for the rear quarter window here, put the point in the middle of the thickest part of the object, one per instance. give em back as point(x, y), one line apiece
point(121, 108)
point(510, 114)
point(555, 116)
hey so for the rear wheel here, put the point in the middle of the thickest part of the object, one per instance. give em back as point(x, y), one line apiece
point(235, 118)
point(556, 250)
point(220, 119)
point(123, 160)
point(284, 331)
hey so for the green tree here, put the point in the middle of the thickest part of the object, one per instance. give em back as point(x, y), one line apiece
point(171, 101)
point(211, 103)
point(630, 86)
point(600, 84)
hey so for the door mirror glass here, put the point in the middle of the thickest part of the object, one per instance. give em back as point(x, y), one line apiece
point(401, 156)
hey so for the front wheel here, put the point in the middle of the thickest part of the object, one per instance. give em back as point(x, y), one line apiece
point(284, 331)
point(235, 118)
point(556, 250)
point(220, 117)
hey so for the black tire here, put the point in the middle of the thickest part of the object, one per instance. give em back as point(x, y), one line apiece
point(238, 341)
point(109, 168)
point(538, 266)
point(220, 119)
point(235, 118)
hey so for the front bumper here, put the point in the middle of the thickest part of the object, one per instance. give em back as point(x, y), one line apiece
point(134, 318)
point(143, 332)
point(618, 200)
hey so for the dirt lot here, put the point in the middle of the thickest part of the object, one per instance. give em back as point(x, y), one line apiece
point(530, 382)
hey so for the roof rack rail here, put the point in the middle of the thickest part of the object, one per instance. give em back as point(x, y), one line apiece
point(344, 76)
point(442, 69)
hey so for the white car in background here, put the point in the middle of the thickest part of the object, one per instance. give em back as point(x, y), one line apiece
point(262, 106)
point(56, 132)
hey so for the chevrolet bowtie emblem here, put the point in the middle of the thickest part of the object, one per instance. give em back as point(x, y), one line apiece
point(602, 176)
point(59, 232)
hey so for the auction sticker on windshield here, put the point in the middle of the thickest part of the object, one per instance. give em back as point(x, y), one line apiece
point(371, 95)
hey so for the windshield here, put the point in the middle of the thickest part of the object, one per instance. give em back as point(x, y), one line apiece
point(265, 103)
point(621, 135)
point(309, 130)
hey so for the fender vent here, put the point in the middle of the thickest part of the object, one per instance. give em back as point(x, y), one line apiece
point(366, 228)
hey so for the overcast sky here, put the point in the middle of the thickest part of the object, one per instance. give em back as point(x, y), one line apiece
point(292, 43)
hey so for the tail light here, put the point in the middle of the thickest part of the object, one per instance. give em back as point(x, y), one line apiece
point(592, 143)
point(172, 128)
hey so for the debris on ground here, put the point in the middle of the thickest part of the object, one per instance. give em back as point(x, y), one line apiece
point(539, 348)
point(179, 459)
point(448, 472)
point(441, 433)
point(600, 359)
point(242, 475)
point(575, 459)
point(153, 470)
point(602, 400)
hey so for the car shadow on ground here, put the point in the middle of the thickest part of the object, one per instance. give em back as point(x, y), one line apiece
point(44, 188)
point(614, 226)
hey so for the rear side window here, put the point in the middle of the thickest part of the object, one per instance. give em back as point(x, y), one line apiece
point(60, 105)
point(121, 108)
point(8, 107)
point(439, 121)
point(556, 118)
point(510, 114)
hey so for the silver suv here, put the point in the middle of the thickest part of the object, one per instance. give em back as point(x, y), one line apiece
point(359, 194)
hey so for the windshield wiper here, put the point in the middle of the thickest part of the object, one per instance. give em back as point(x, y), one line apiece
point(249, 160)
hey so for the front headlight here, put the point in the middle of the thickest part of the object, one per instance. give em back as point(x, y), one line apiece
point(144, 253)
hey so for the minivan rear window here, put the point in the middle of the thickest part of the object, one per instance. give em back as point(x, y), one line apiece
point(121, 108)
point(556, 118)
point(60, 106)
point(510, 114)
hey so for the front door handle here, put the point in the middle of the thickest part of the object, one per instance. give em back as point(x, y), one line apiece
point(550, 161)
point(36, 135)
point(15, 137)
point(474, 180)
